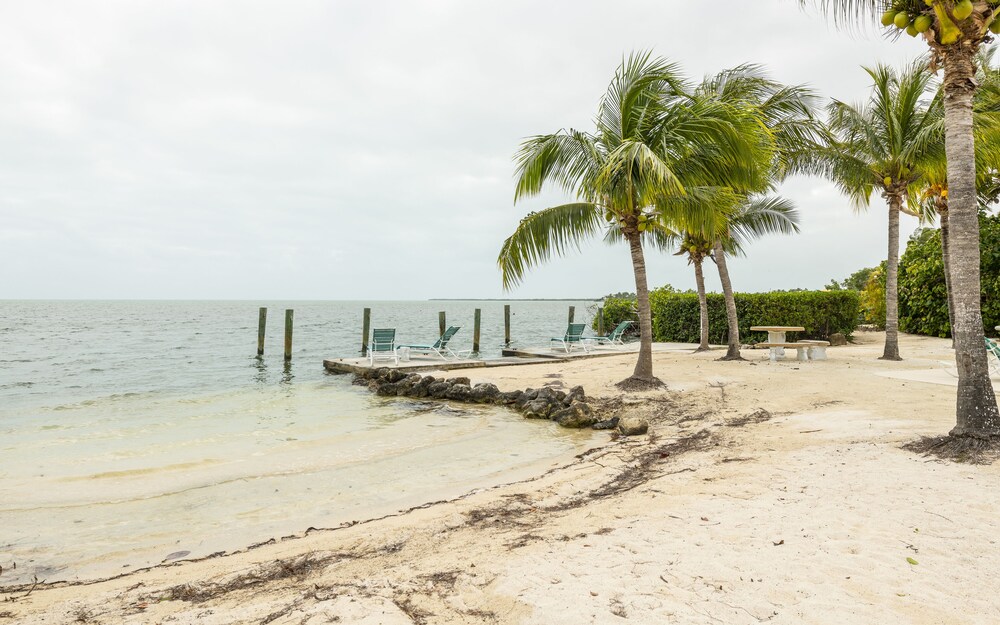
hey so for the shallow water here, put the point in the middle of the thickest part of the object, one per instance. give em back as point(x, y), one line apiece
point(133, 430)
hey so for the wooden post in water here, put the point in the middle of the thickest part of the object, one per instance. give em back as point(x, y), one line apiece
point(572, 312)
point(289, 313)
point(366, 324)
point(475, 331)
point(506, 325)
point(442, 322)
point(261, 324)
point(600, 321)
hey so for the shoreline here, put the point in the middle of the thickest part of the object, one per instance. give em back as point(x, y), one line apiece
point(766, 491)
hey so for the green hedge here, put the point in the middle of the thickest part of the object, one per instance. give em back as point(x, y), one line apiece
point(676, 317)
point(923, 300)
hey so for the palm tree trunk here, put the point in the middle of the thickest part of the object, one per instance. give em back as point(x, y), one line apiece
point(644, 366)
point(977, 414)
point(891, 350)
point(733, 353)
point(942, 209)
point(699, 277)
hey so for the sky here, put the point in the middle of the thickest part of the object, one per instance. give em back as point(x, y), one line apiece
point(363, 150)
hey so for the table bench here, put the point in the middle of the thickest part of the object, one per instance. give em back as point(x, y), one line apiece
point(805, 350)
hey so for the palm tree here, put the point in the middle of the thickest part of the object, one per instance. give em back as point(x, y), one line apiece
point(954, 42)
point(786, 111)
point(932, 198)
point(623, 174)
point(886, 145)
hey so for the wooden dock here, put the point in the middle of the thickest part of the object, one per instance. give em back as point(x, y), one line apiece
point(509, 358)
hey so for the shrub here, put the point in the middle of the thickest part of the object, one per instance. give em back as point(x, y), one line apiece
point(676, 317)
point(923, 298)
point(873, 298)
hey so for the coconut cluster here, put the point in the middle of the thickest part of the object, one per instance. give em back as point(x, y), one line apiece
point(902, 16)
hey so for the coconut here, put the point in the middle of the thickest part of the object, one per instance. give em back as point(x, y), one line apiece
point(911, 30)
point(923, 23)
point(902, 20)
point(888, 17)
point(887, 180)
point(962, 10)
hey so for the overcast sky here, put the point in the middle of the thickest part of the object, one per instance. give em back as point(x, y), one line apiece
point(360, 150)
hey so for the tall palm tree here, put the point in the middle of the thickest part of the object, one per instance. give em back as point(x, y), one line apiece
point(953, 43)
point(786, 112)
point(623, 174)
point(886, 145)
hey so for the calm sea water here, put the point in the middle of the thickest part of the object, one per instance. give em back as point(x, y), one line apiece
point(131, 431)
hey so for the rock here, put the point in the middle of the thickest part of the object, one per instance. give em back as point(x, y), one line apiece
point(460, 380)
point(837, 339)
point(394, 375)
point(529, 393)
point(438, 389)
point(578, 415)
point(561, 398)
point(547, 394)
point(575, 394)
point(383, 389)
point(381, 373)
point(508, 398)
point(484, 393)
point(610, 424)
point(405, 386)
point(632, 426)
point(459, 392)
point(537, 409)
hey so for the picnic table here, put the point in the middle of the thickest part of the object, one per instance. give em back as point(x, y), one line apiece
point(776, 341)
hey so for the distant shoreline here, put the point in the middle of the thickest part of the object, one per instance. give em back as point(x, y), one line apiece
point(511, 299)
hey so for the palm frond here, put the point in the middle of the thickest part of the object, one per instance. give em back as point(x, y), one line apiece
point(549, 232)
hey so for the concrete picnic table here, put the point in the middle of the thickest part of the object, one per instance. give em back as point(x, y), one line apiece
point(776, 334)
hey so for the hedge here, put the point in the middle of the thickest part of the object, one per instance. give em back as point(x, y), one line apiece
point(676, 317)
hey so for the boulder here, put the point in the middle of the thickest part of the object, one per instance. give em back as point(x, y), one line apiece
point(508, 398)
point(632, 426)
point(484, 393)
point(459, 392)
point(575, 394)
point(577, 415)
point(537, 409)
point(837, 339)
point(460, 380)
point(438, 389)
point(394, 375)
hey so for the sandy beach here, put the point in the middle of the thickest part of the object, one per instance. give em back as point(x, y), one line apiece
point(765, 492)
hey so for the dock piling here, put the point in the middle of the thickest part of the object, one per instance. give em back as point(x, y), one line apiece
point(261, 325)
point(506, 325)
point(600, 321)
point(475, 331)
point(442, 322)
point(366, 324)
point(572, 313)
point(289, 313)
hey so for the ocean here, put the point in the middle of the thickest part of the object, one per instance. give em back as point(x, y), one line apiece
point(132, 432)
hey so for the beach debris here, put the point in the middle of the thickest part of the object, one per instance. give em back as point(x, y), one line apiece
point(912, 561)
point(176, 555)
point(608, 424)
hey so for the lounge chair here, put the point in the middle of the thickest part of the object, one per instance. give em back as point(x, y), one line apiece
point(615, 337)
point(994, 354)
point(440, 346)
point(383, 345)
point(574, 335)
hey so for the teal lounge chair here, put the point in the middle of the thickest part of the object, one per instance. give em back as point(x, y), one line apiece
point(440, 347)
point(383, 345)
point(573, 336)
point(994, 354)
point(616, 335)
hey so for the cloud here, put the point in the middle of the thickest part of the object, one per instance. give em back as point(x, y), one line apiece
point(336, 150)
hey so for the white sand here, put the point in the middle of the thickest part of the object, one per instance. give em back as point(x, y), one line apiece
point(808, 517)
